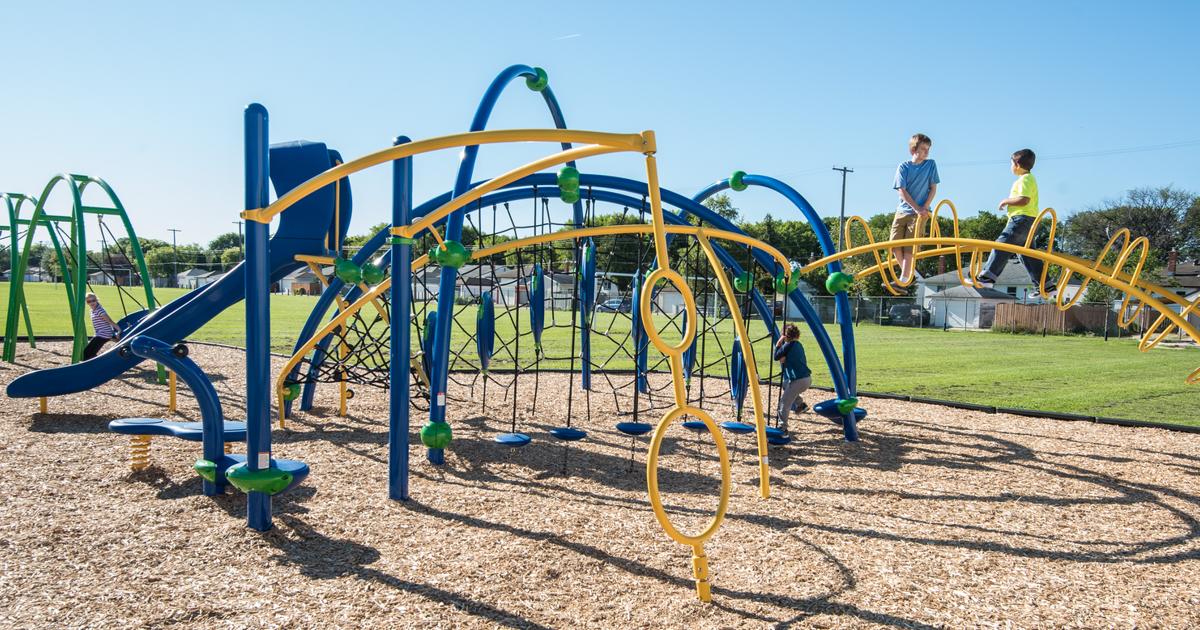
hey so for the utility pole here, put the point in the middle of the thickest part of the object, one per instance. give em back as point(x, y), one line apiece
point(842, 213)
point(241, 239)
point(175, 260)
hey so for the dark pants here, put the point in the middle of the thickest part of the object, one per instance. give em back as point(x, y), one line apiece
point(93, 347)
point(1015, 233)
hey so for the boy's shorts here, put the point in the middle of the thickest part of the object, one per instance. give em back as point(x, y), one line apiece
point(903, 225)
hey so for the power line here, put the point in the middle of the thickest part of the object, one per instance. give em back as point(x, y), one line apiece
point(1067, 156)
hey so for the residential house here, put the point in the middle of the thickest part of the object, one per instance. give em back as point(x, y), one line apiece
point(303, 281)
point(1013, 281)
point(190, 279)
point(966, 307)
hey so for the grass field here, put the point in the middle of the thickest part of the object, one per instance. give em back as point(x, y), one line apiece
point(1070, 374)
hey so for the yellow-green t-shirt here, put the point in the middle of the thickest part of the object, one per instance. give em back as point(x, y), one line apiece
point(1025, 186)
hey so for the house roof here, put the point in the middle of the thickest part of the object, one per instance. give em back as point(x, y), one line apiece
point(194, 271)
point(961, 292)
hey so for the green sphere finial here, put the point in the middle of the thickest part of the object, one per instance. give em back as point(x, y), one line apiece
point(743, 282)
point(539, 82)
point(347, 271)
point(569, 196)
point(735, 181)
point(436, 435)
point(568, 178)
point(838, 281)
point(372, 274)
point(454, 255)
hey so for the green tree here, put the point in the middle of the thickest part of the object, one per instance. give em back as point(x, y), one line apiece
point(358, 240)
point(231, 257)
point(225, 241)
point(1166, 216)
point(723, 205)
point(165, 262)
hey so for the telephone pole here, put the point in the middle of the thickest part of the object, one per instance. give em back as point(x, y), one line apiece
point(175, 260)
point(842, 214)
point(241, 239)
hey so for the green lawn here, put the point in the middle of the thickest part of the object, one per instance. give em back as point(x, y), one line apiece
point(1071, 374)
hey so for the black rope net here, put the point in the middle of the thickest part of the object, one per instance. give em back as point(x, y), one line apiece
point(358, 351)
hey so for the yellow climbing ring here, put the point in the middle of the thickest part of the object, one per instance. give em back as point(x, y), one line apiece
point(696, 541)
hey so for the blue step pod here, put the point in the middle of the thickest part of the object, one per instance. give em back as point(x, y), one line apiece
point(512, 439)
point(568, 434)
point(635, 428)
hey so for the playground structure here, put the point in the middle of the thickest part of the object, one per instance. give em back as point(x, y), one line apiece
point(369, 335)
point(71, 254)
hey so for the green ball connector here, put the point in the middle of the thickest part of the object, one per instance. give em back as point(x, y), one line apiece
point(267, 480)
point(372, 274)
point(539, 82)
point(347, 271)
point(455, 255)
point(436, 435)
point(846, 405)
point(838, 281)
point(291, 392)
point(569, 196)
point(206, 469)
point(784, 285)
point(568, 178)
point(743, 282)
point(735, 181)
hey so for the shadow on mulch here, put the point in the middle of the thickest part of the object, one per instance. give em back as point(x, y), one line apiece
point(806, 607)
point(68, 423)
point(320, 557)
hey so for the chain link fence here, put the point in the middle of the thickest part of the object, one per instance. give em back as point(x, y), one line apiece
point(1014, 316)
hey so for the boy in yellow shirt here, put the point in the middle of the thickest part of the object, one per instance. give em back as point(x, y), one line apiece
point(1022, 207)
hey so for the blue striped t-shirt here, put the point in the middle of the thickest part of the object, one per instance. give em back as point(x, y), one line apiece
point(103, 329)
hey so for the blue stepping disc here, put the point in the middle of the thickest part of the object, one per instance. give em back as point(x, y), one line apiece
point(738, 428)
point(774, 432)
point(568, 433)
point(695, 425)
point(512, 439)
point(634, 428)
point(778, 440)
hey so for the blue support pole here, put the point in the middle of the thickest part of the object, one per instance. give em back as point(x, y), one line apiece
point(401, 350)
point(258, 316)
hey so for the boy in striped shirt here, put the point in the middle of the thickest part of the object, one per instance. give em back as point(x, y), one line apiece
point(103, 325)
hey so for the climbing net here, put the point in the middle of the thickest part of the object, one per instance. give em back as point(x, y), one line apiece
point(526, 311)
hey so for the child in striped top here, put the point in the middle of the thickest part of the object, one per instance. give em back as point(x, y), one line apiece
point(103, 325)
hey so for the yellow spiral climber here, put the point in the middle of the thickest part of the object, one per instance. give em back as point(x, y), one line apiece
point(1126, 248)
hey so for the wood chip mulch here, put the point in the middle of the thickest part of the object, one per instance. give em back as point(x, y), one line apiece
point(937, 518)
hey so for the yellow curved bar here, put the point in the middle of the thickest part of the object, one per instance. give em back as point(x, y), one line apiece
point(760, 425)
point(637, 142)
point(499, 181)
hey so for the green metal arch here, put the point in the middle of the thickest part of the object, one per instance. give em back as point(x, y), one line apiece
point(74, 263)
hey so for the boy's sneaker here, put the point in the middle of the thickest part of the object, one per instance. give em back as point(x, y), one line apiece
point(985, 283)
point(799, 406)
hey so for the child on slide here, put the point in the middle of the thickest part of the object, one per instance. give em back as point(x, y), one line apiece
point(796, 376)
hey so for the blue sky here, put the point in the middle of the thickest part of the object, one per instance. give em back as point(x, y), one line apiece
point(149, 95)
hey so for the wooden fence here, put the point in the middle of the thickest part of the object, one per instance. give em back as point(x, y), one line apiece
point(1095, 318)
